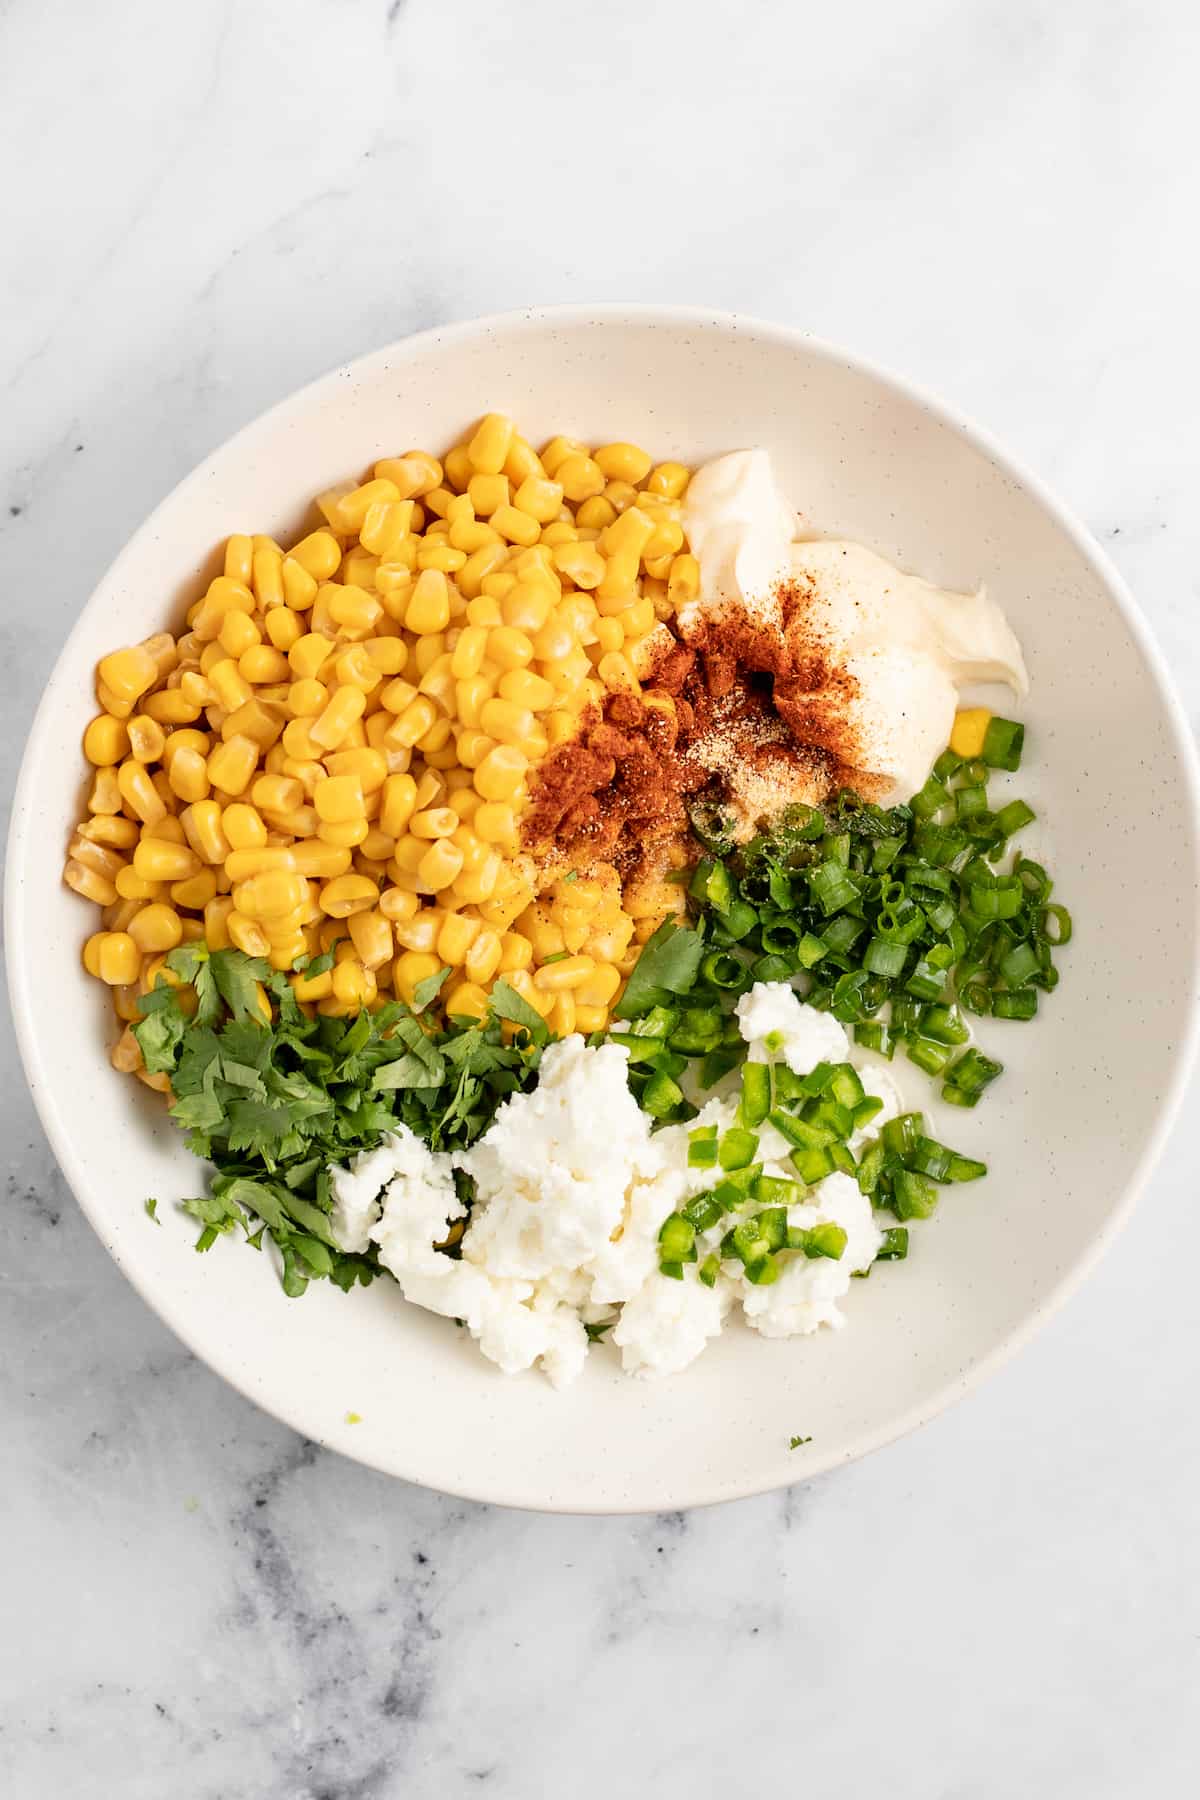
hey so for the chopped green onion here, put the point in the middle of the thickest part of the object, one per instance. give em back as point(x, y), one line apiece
point(873, 1036)
point(762, 1271)
point(723, 971)
point(884, 957)
point(930, 800)
point(928, 1055)
point(702, 1211)
point(1014, 817)
point(777, 1192)
point(709, 1269)
point(900, 1135)
point(1019, 964)
point(1060, 918)
point(702, 1147)
point(831, 887)
point(965, 1168)
point(1021, 1003)
point(944, 1024)
point(825, 1240)
point(968, 1077)
point(894, 1247)
point(1002, 744)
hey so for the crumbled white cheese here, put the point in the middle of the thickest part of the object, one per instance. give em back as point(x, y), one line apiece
point(774, 1023)
point(571, 1192)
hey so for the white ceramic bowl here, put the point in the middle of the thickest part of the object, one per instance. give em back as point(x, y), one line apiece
point(1070, 1132)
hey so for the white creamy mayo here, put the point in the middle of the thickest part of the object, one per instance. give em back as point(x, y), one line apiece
point(907, 646)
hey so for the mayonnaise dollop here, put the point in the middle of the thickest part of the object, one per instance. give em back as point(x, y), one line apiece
point(893, 649)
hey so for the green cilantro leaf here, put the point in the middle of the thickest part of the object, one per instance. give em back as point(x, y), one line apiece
point(669, 964)
point(508, 1004)
point(429, 989)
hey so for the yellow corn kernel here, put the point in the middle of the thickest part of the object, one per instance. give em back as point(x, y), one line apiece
point(509, 648)
point(582, 563)
point(367, 766)
point(385, 524)
point(420, 932)
point(266, 578)
point(595, 514)
point(195, 893)
point(970, 729)
point(238, 634)
point(398, 904)
point(332, 726)
point(307, 699)
point(156, 928)
point(516, 527)
point(232, 763)
point(259, 720)
point(516, 952)
point(346, 833)
point(387, 654)
point(610, 634)
point(127, 674)
point(488, 449)
point(417, 718)
point(438, 682)
point(114, 831)
point(90, 883)
point(435, 822)
point(487, 492)
point(428, 609)
point(683, 582)
point(528, 606)
point(557, 450)
point(308, 655)
point(204, 827)
point(409, 476)
point(339, 798)
point(105, 741)
point(118, 959)
point(455, 936)
point(229, 686)
point(626, 538)
point(371, 935)
point(157, 859)
point(283, 627)
point(411, 968)
point(481, 959)
point(500, 773)
point(581, 477)
point(469, 697)
point(241, 865)
point(216, 915)
point(540, 498)
point(616, 672)
point(465, 801)
point(480, 876)
point(525, 690)
point(623, 462)
point(243, 827)
point(439, 866)
point(621, 495)
point(485, 608)
point(398, 805)
point(494, 821)
point(130, 886)
point(669, 480)
point(508, 724)
point(277, 793)
point(239, 556)
point(273, 895)
point(571, 972)
point(347, 894)
point(479, 566)
point(260, 663)
point(139, 793)
point(468, 652)
point(355, 611)
point(466, 1000)
point(308, 988)
point(319, 554)
point(246, 934)
point(299, 587)
point(170, 707)
point(397, 696)
point(320, 861)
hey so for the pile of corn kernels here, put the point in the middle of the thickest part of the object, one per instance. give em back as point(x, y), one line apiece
point(336, 752)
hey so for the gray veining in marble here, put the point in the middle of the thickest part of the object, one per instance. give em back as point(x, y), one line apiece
point(205, 206)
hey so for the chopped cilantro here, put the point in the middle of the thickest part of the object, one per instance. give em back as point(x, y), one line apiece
point(596, 1332)
point(274, 1104)
point(152, 1211)
point(669, 964)
point(795, 1443)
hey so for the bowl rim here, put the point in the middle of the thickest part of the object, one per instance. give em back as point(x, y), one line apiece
point(23, 825)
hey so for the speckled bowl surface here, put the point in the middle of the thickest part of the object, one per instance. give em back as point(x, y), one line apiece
point(1072, 1130)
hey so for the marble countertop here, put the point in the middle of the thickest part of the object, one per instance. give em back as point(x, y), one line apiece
point(208, 205)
